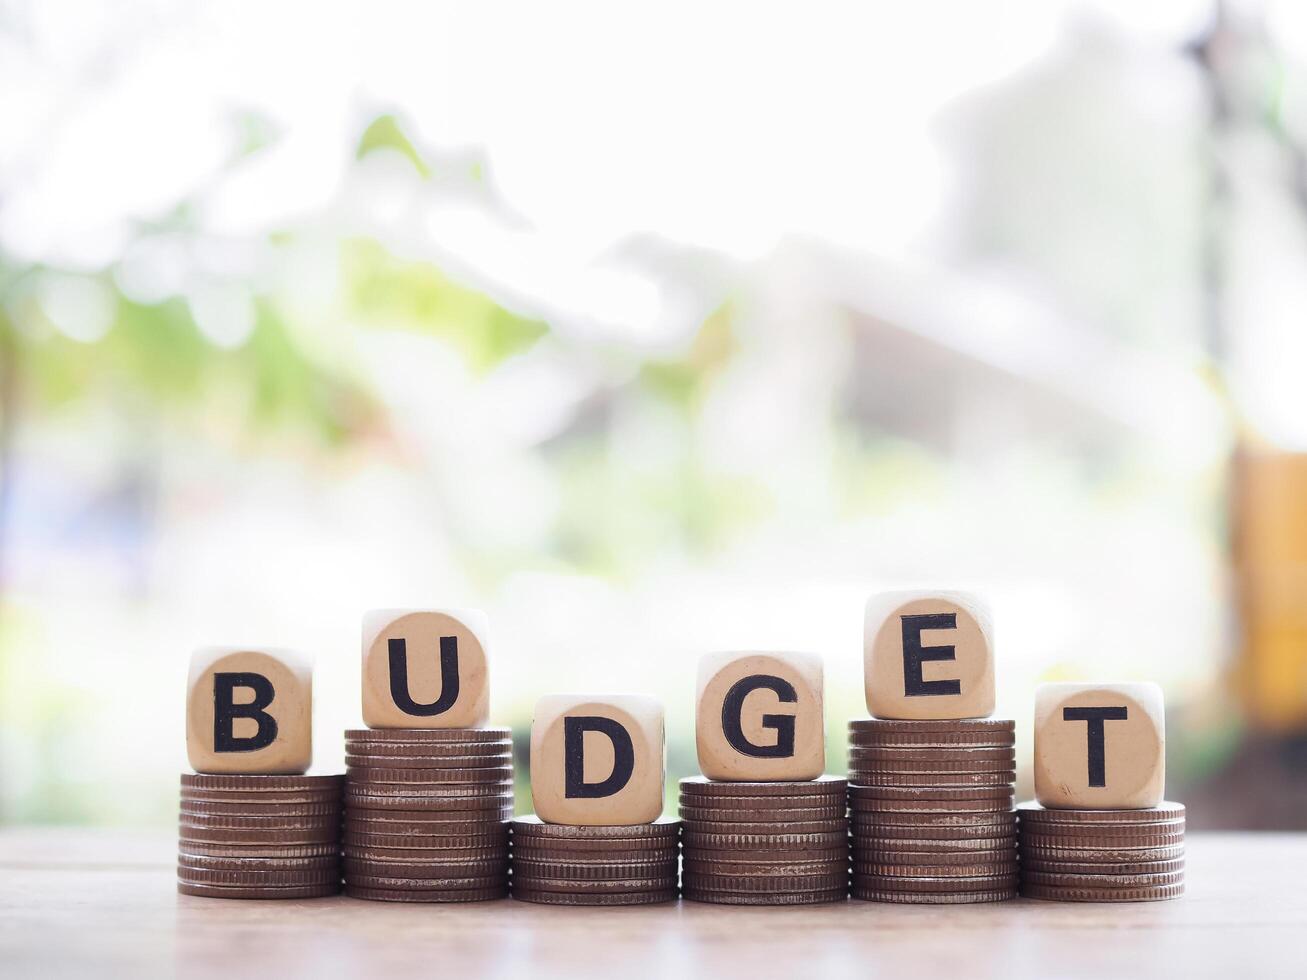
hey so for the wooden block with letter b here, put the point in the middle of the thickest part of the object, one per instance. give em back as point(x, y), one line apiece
point(928, 655)
point(249, 711)
point(759, 716)
point(597, 761)
point(1100, 746)
point(425, 669)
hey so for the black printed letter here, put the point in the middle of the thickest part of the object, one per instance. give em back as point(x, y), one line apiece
point(399, 691)
point(574, 729)
point(226, 710)
point(783, 725)
point(1097, 751)
point(914, 655)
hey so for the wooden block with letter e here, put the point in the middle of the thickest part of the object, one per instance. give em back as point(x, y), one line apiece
point(249, 711)
point(425, 669)
point(759, 716)
point(928, 655)
point(597, 760)
point(1099, 746)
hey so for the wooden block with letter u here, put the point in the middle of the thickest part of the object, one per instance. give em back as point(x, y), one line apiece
point(425, 668)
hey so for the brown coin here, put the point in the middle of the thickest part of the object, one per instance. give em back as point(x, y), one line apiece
point(399, 855)
point(831, 852)
point(723, 814)
point(976, 883)
point(417, 828)
point(1103, 855)
point(595, 850)
point(1059, 879)
point(926, 848)
point(1168, 813)
point(982, 870)
point(914, 793)
point(936, 740)
point(492, 804)
point(1109, 843)
point(700, 786)
point(355, 869)
point(715, 897)
point(222, 821)
point(770, 869)
point(879, 830)
point(377, 761)
point(763, 803)
point(437, 751)
point(868, 806)
point(244, 851)
point(532, 826)
point(1002, 777)
point(597, 886)
point(871, 894)
point(877, 773)
point(498, 775)
point(427, 895)
point(261, 797)
point(275, 878)
point(1153, 894)
point(787, 829)
point(425, 884)
point(525, 868)
point(225, 863)
point(951, 725)
point(1087, 831)
point(329, 809)
point(230, 891)
point(498, 788)
point(600, 898)
point(708, 881)
point(935, 859)
point(433, 735)
point(929, 754)
point(862, 814)
point(759, 841)
point(252, 784)
point(283, 838)
point(1136, 868)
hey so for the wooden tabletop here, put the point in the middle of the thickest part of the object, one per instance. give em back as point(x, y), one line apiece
point(94, 902)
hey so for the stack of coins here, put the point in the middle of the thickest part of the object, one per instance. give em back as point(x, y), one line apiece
point(931, 810)
point(568, 864)
point(259, 836)
point(772, 843)
point(1102, 855)
point(426, 812)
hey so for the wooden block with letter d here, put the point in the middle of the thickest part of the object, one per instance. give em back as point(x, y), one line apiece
point(425, 668)
point(249, 711)
point(1099, 746)
point(597, 761)
point(928, 655)
point(759, 716)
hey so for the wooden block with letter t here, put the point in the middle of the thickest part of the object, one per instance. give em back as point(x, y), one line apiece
point(249, 711)
point(425, 668)
point(928, 655)
point(759, 716)
point(1099, 746)
point(597, 761)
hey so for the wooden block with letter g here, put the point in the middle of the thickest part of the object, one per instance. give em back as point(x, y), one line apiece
point(597, 761)
point(1100, 746)
point(425, 668)
point(759, 716)
point(928, 655)
point(249, 711)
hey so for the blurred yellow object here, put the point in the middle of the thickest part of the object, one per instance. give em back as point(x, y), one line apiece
point(1270, 561)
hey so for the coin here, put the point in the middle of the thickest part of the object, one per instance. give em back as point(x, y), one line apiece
point(758, 841)
point(764, 803)
point(1102, 880)
point(498, 788)
point(723, 814)
point(1124, 868)
point(261, 797)
point(709, 881)
point(419, 735)
point(821, 786)
point(366, 801)
point(275, 849)
point(223, 821)
point(716, 897)
point(803, 827)
point(425, 884)
point(832, 852)
point(598, 850)
point(251, 784)
point(976, 883)
point(355, 870)
point(524, 894)
point(1110, 843)
point(938, 847)
point(877, 830)
point(429, 777)
point(1148, 894)
point(447, 828)
point(946, 740)
point(1103, 855)
point(428, 894)
point(533, 826)
point(923, 754)
point(952, 725)
point(241, 863)
point(275, 878)
point(978, 870)
point(868, 893)
point(779, 867)
point(930, 779)
point(204, 809)
point(599, 886)
point(376, 761)
point(398, 855)
point(525, 868)
point(914, 793)
point(868, 806)
point(429, 750)
point(283, 838)
point(862, 814)
point(229, 891)
point(937, 859)
point(1165, 812)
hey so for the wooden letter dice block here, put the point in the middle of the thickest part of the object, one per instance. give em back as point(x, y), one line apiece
point(1099, 746)
point(249, 711)
point(928, 655)
point(759, 716)
point(597, 761)
point(425, 668)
